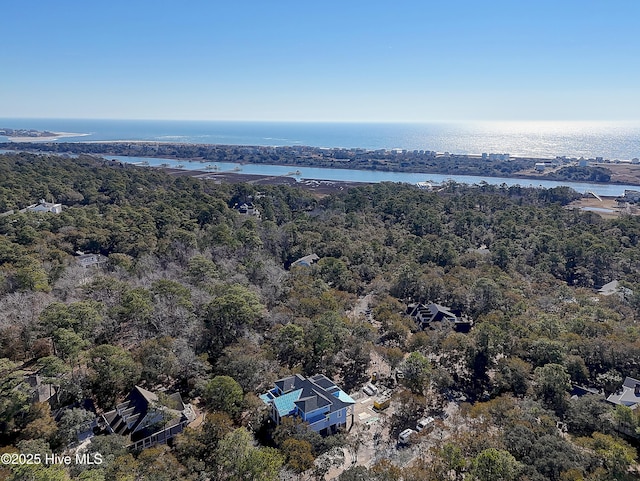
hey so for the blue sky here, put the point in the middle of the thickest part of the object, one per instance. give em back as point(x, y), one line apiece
point(327, 61)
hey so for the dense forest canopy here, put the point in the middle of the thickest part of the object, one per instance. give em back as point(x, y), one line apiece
point(199, 298)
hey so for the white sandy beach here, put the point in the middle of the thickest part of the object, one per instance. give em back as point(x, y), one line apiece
point(56, 136)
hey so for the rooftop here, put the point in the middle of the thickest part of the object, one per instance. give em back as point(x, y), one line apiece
point(306, 394)
point(143, 413)
point(628, 394)
point(306, 260)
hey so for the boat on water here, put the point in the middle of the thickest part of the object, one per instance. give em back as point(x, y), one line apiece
point(236, 169)
point(180, 166)
point(297, 172)
point(164, 165)
point(211, 167)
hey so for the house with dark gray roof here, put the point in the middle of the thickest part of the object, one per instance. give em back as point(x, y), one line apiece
point(315, 400)
point(147, 418)
point(248, 208)
point(41, 392)
point(89, 259)
point(430, 315)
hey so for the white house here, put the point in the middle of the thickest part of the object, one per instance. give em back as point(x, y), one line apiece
point(540, 166)
point(43, 206)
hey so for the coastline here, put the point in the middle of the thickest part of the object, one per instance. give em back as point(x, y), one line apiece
point(337, 159)
point(610, 139)
point(56, 136)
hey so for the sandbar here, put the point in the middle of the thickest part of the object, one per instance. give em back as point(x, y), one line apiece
point(55, 136)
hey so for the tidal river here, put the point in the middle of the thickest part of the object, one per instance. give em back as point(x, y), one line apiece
point(351, 175)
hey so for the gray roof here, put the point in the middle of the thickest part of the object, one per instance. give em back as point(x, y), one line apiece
point(148, 396)
point(609, 288)
point(41, 392)
point(289, 383)
point(138, 416)
point(90, 258)
point(316, 392)
point(313, 401)
point(306, 260)
point(432, 312)
point(628, 394)
point(440, 312)
point(428, 315)
point(323, 381)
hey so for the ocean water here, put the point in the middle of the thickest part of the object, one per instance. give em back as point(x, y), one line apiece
point(611, 140)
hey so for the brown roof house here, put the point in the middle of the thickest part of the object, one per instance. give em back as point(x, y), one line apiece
point(148, 418)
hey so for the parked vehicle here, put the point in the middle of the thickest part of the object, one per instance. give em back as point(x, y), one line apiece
point(405, 436)
point(382, 403)
point(370, 390)
point(425, 423)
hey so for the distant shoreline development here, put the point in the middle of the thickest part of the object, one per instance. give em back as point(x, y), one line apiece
point(32, 135)
point(561, 168)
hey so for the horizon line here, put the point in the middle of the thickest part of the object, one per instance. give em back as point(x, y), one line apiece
point(351, 121)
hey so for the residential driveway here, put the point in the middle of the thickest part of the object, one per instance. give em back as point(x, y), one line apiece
point(360, 309)
point(370, 433)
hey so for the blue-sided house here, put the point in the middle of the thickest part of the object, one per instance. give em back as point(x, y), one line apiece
point(315, 400)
